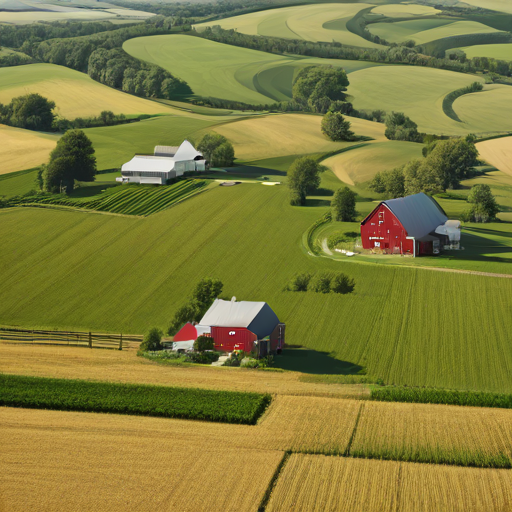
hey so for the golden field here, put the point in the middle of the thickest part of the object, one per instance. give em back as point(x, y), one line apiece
point(316, 483)
point(433, 433)
point(125, 366)
point(498, 153)
point(23, 149)
point(289, 134)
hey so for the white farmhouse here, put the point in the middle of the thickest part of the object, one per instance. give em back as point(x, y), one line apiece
point(167, 162)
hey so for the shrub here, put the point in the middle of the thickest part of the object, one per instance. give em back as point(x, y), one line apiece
point(203, 357)
point(152, 340)
point(203, 343)
point(322, 282)
point(336, 127)
point(341, 283)
point(108, 397)
point(235, 359)
point(338, 238)
point(300, 282)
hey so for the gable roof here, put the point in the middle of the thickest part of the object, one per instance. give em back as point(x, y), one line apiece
point(258, 317)
point(419, 214)
point(186, 152)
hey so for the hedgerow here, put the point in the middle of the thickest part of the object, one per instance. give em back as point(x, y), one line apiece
point(442, 396)
point(137, 399)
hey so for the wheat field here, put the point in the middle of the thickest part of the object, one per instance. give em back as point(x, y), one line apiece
point(315, 483)
point(434, 433)
point(498, 153)
point(51, 461)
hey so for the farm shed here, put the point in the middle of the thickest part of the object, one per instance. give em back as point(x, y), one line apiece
point(414, 225)
point(237, 326)
point(166, 163)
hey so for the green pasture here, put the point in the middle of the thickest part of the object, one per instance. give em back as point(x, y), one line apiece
point(103, 272)
point(324, 22)
point(494, 51)
point(228, 72)
point(425, 30)
point(419, 92)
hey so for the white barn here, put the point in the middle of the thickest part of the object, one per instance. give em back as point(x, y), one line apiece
point(166, 163)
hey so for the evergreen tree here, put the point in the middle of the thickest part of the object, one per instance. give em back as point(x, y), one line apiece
point(344, 205)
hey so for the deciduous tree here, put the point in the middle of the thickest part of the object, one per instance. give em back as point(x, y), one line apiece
point(303, 178)
point(336, 127)
point(344, 205)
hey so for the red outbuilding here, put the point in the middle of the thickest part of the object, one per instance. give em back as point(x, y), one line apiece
point(406, 225)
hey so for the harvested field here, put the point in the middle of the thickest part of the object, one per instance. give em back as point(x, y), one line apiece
point(498, 153)
point(440, 434)
point(88, 462)
point(315, 483)
point(362, 164)
point(125, 366)
point(23, 149)
point(75, 94)
point(289, 134)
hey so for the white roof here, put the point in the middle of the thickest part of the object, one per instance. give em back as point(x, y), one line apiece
point(143, 163)
point(165, 150)
point(186, 152)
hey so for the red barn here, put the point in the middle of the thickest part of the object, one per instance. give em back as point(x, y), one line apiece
point(244, 326)
point(405, 226)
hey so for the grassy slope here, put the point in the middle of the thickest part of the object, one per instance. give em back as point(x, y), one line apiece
point(424, 31)
point(75, 93)
point(495, 5)
point(495, 51)
point(405, 10)
point(103, 272)
point(325, 22)
point(361, 164)
point(23, 149)
point(228, 72)
point(419, 92)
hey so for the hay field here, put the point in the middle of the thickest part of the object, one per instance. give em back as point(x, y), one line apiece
point(404, 10)
point(231, 233)
point(495, 51)
point(228, 72)
point(125, 366)
point(314, 483)
point(498, 153)
point(419, 92)
point(490, 108)
point(289, 134)
point(424, 31)
point(23, 149)
point(494, 5)
point(321, 22)
point(88, 462)
point(362, 164)
point(75, 94)
point(435, 434)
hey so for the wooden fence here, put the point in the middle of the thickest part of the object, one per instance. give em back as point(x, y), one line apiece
point(84, 339)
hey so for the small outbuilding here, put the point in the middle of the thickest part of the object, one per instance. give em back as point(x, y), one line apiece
point(236, 325)
point(415, 225)
point(166, 163)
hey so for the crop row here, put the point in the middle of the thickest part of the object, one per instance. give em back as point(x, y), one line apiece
point(127, 200)
point(168, 402)
point(441, 396)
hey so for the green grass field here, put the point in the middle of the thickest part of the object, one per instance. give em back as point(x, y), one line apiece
point(494, 51)
point(228, 72)
point(425, 30)
point(324, 22)
point(405, 325)
point(419, 92)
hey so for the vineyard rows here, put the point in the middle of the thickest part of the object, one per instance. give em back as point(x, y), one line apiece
point(127, 200)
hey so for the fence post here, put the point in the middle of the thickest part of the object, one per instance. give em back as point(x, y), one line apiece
point(90, 340)
point(121, 342)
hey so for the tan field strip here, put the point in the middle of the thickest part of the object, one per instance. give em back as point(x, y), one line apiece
point(124, 366)
point(23, 149)
point(498, 153)
point(315, 483)
point(289, 134)
point(56, 461)
point(433, 433)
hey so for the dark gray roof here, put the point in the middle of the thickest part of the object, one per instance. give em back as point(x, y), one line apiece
point(419, 214)
point(258, 317)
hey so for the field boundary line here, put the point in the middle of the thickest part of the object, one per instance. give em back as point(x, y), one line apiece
point(273, 481)
point(353, 435)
